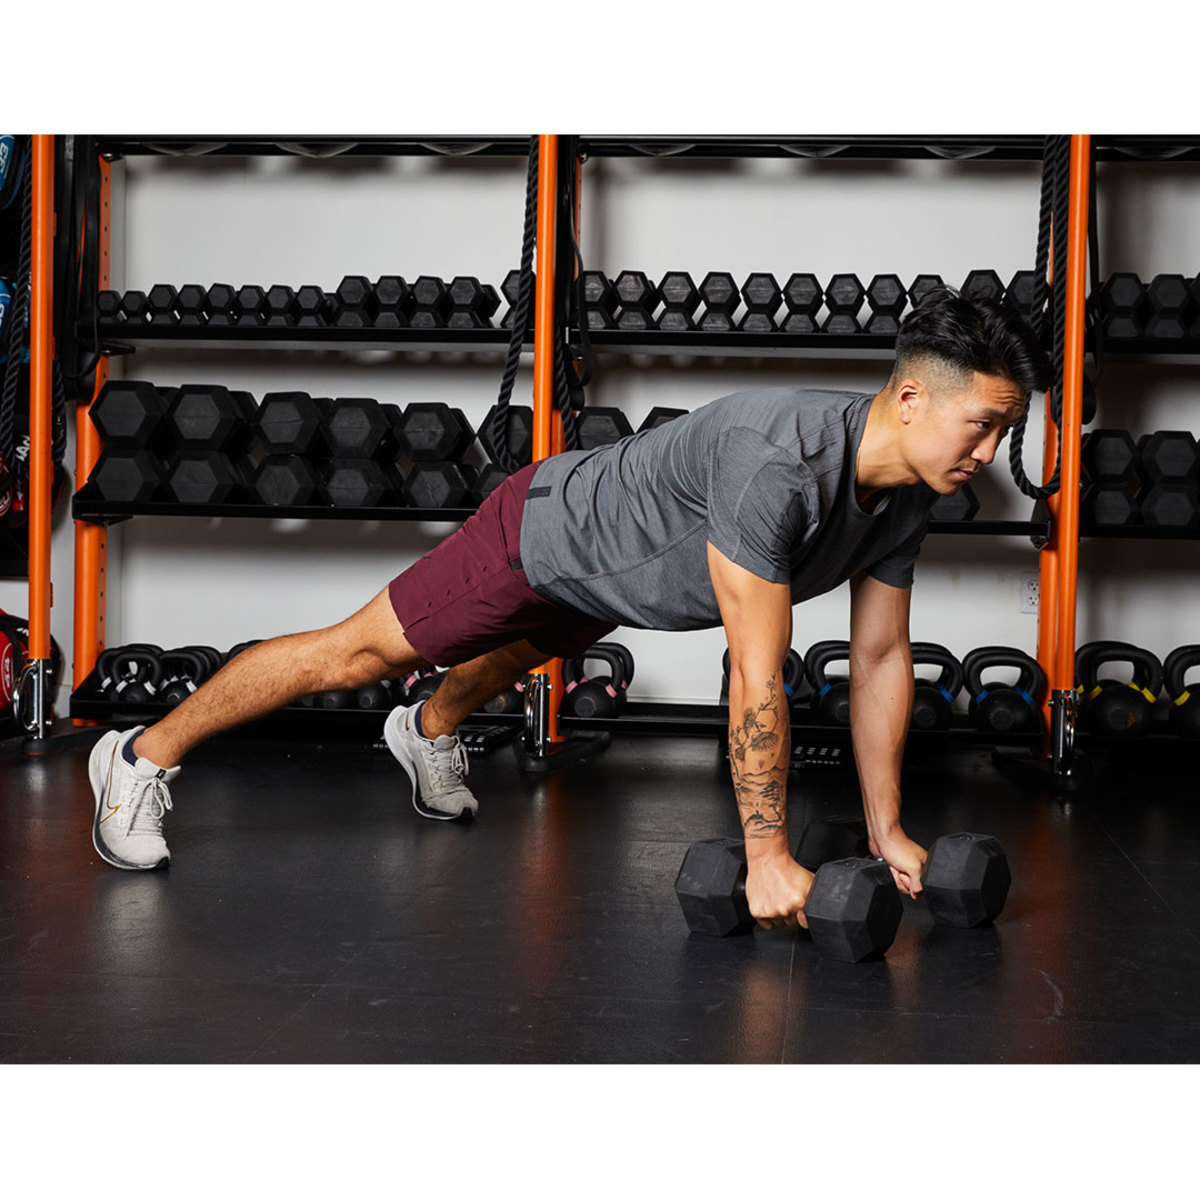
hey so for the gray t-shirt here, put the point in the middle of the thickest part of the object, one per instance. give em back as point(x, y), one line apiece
point(767, 476)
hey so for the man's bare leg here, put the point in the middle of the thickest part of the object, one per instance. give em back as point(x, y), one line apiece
point(472, 684)
point(363, 649)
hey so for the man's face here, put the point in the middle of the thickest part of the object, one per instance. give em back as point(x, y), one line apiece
point(952, 438)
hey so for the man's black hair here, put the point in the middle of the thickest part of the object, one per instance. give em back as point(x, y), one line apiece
point(981, 335)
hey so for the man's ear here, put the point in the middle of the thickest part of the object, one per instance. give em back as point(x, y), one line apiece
point(911, 395)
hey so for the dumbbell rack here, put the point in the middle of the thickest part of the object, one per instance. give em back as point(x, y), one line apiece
point(91, 513)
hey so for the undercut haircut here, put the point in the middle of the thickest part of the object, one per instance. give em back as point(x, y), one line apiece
point(964, 335)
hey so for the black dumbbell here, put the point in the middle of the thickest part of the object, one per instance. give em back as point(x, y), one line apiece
point(680, 298)
point(600, 300)
point(966, 880)
point(108, 306)
point(1002, 707)
point(601, 426)
point(135, 307)
point(1122, 305)
point(192, 305)
point(519, 432)
point(471, 303)
point(1168, 307)
point(353, 303)
point(280, 308)
point(601, 696)
point(827, 841)
point(285, 480)
point(921, 286)
point(204, 417)
point(313, 307)
point(393, 302)
point(359, 483)
point(437, 485)
point(933, 699)
point(1185, 708)
point(290, 423)
point(432, 431)
point(510, 290)
point(853, 909)
point(483, 481)
point(959, 505)
point(250, 306)
point(129, 413)
point(163, 300)
point(762, 296)
point(638, 298)
point(1020, 293)
point(982, 285)
point(206, 477)
point(721, 297)
point(127, 475)
point(886, 298)
point(802, 298)
point(830, 693)
point(660, 415)
point(1117, 708)
point(1169, 463)
point(431, 303)
point(359, 427)
point(844, 295)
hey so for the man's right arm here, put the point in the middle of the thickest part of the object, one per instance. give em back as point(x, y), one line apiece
point(757, 616)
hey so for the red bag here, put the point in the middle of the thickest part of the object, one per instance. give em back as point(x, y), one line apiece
point(14, 654)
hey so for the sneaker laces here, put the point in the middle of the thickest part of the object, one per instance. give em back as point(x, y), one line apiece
point(447, 767)
point(150, 801)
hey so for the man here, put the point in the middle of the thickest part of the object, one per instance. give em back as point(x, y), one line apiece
point(728, 516)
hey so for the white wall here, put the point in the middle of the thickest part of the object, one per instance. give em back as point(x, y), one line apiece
point(303, 221)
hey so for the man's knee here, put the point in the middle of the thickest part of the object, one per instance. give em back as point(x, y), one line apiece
point(375, 632)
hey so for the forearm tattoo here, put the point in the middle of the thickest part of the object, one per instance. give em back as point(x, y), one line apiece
point(759, 750)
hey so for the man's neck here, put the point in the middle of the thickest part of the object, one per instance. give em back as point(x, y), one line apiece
point(879, 466)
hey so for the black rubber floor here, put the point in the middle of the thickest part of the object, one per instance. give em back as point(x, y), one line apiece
point(310, 916)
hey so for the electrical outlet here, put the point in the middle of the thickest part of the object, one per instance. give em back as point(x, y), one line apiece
point(1030, 593)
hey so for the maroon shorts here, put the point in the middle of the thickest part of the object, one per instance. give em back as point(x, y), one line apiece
point(469, 595)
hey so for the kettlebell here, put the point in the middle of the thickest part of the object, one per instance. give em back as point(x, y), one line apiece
point(1185, 708)
point(1003, 707)
point(138, 675)
point(511, 700)
point(594, 697)
point(183, 671)
point(831, 695)
point(793, 676)
point(933, 699)
point(1112, 707)
point(422, 683)
point(374, 696)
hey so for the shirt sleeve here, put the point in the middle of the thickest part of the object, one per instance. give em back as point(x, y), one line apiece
point(898, 567)
point(759, 503)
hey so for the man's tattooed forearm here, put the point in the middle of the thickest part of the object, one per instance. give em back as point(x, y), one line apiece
point(757, 743)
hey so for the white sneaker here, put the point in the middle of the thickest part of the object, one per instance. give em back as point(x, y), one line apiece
point(435, 769)
point(130, 804)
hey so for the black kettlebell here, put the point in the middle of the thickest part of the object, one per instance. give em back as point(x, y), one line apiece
point(933, 699)
point(601, 696)
point(1113, 707)
point(1004, 707)
point(422, 683)
point(138, 675)
point(511, 700)
point(1185, 708)
point(831, 694)
point(183, 671)
point(374, 696)
point(793, 675)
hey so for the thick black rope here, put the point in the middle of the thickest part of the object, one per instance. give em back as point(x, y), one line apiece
point(17, 313)
point(498, 427)
point(1052, 225)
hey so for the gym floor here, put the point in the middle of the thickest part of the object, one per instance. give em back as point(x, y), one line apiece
point(310, 916)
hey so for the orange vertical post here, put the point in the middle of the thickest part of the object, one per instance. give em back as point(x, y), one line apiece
point(91, 540)
point(544, 410)
point(41, 361)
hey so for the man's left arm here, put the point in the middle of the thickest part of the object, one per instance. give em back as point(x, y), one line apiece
point(881, 696)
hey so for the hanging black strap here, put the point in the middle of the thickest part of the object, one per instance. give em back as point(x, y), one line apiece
point(17, 316)
point(1049, 302)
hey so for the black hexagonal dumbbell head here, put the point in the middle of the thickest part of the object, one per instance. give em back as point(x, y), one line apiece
point(1122, 305)
point(711, 886)
point(962, 505)
point(1111, 502)
point(1168, 454)
point(163, 300)
point(221, 305)
point(199, 477)
point(285, 480)
point(966, 880)
point(129, 412)
point(1022, 288)
point(803, 297)
point(437, 485)
point(192, 305)
point(312, 307)
point(680, 298)
point(483, 481)
point(290, 422)
point(135, 307)
point(358, 427)
point(601, 427)
point(393, 302)
point(471, 303)
point(639, 300)
point(921, 286)
point(659, 415)
point(431, 431)
point(519, 430)
point(431, 303)
point(762, 296)
point(1169, 307)
point(510, 291)
point(359, 483)
point(210, 417)
point(853, 910)
point(1108, 454)
point(108, 306)
point(886, 298)
point(844, 295)
point(1173, 502)
point(126, 475)
point(600, 300)
point(982, 285)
